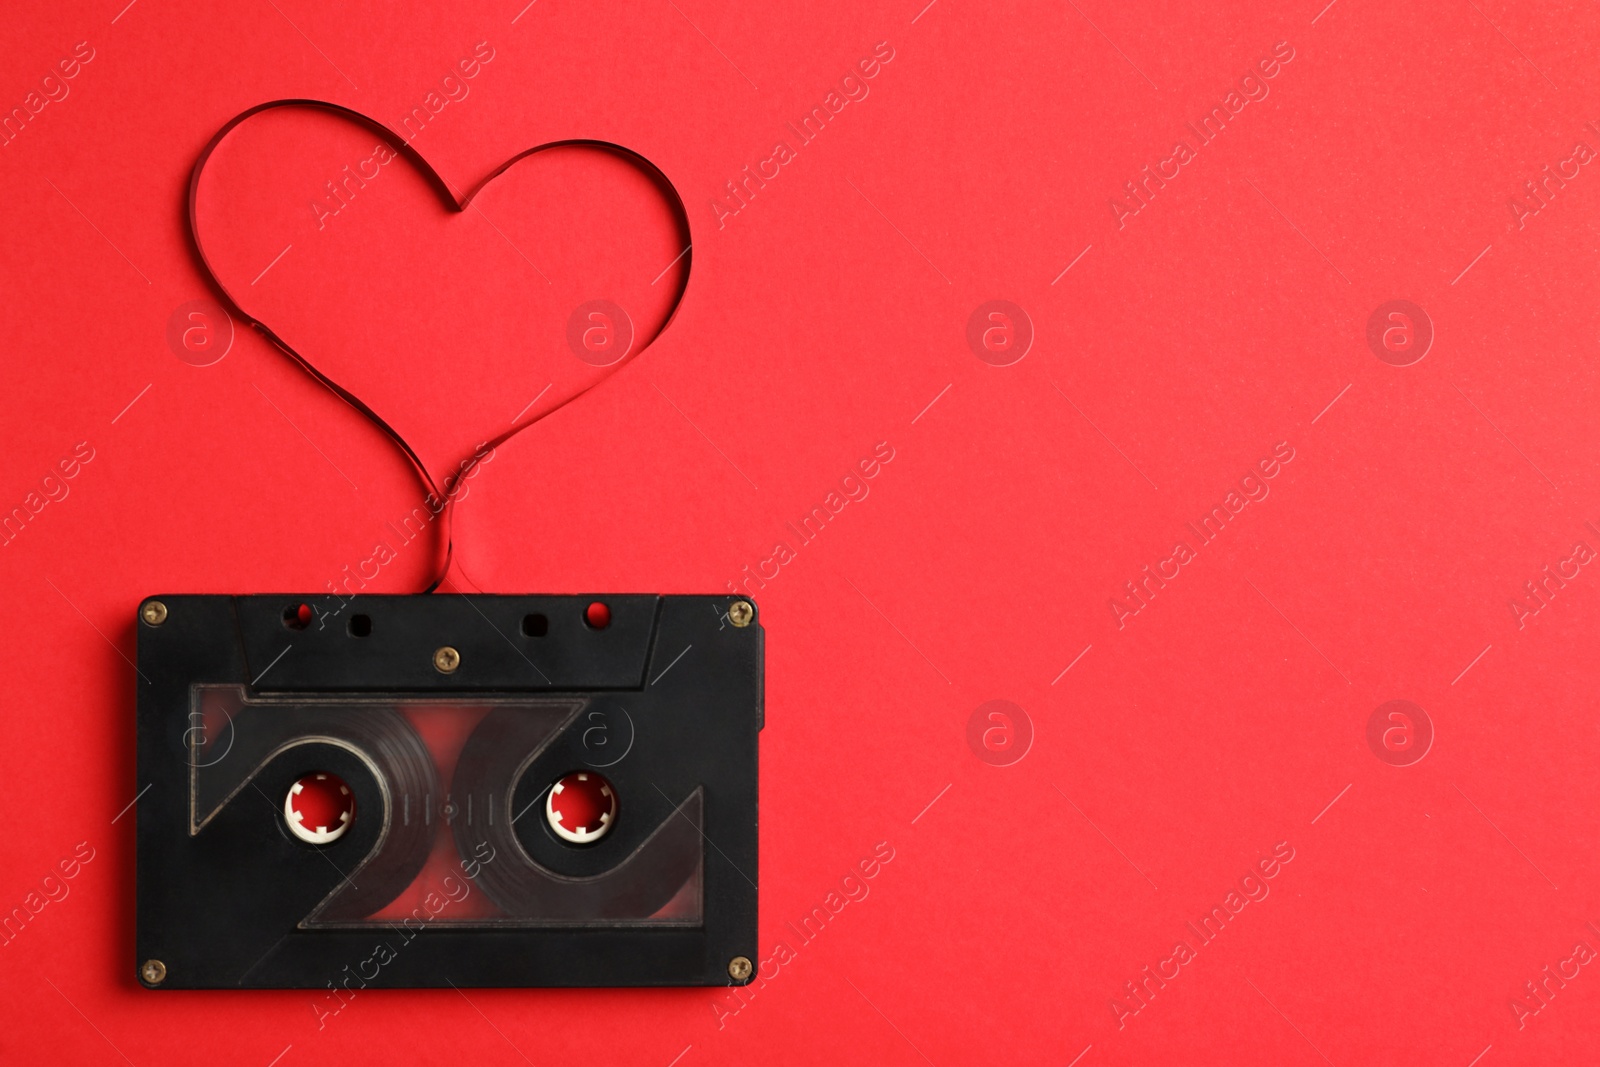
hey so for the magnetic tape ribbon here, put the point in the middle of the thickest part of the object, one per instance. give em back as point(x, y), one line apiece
point(457, 204)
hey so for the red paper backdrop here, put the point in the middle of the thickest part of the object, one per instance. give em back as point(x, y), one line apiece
point(1184, 337)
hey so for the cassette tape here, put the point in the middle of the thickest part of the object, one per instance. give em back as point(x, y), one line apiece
point(445, 789)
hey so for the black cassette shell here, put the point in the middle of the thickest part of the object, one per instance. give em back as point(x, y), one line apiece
point(450, 716)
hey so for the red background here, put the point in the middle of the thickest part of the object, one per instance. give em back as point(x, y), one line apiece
point(1228, 715)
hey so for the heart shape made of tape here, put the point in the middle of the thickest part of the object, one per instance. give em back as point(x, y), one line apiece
point(450, 319)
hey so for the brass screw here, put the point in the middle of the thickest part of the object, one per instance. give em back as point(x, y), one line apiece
point(154, 972)
point(740, 968)
point(740, 612)
point(446, 660)
point(154, 612)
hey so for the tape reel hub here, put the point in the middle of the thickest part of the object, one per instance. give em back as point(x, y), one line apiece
point(581, 807)
point(319, 808)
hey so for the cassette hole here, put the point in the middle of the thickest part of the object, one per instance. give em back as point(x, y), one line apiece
point(581, 807)
point(319, 808)
point(597, 615)
point(535, 625)
point(297, 616)
point(360, 626)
